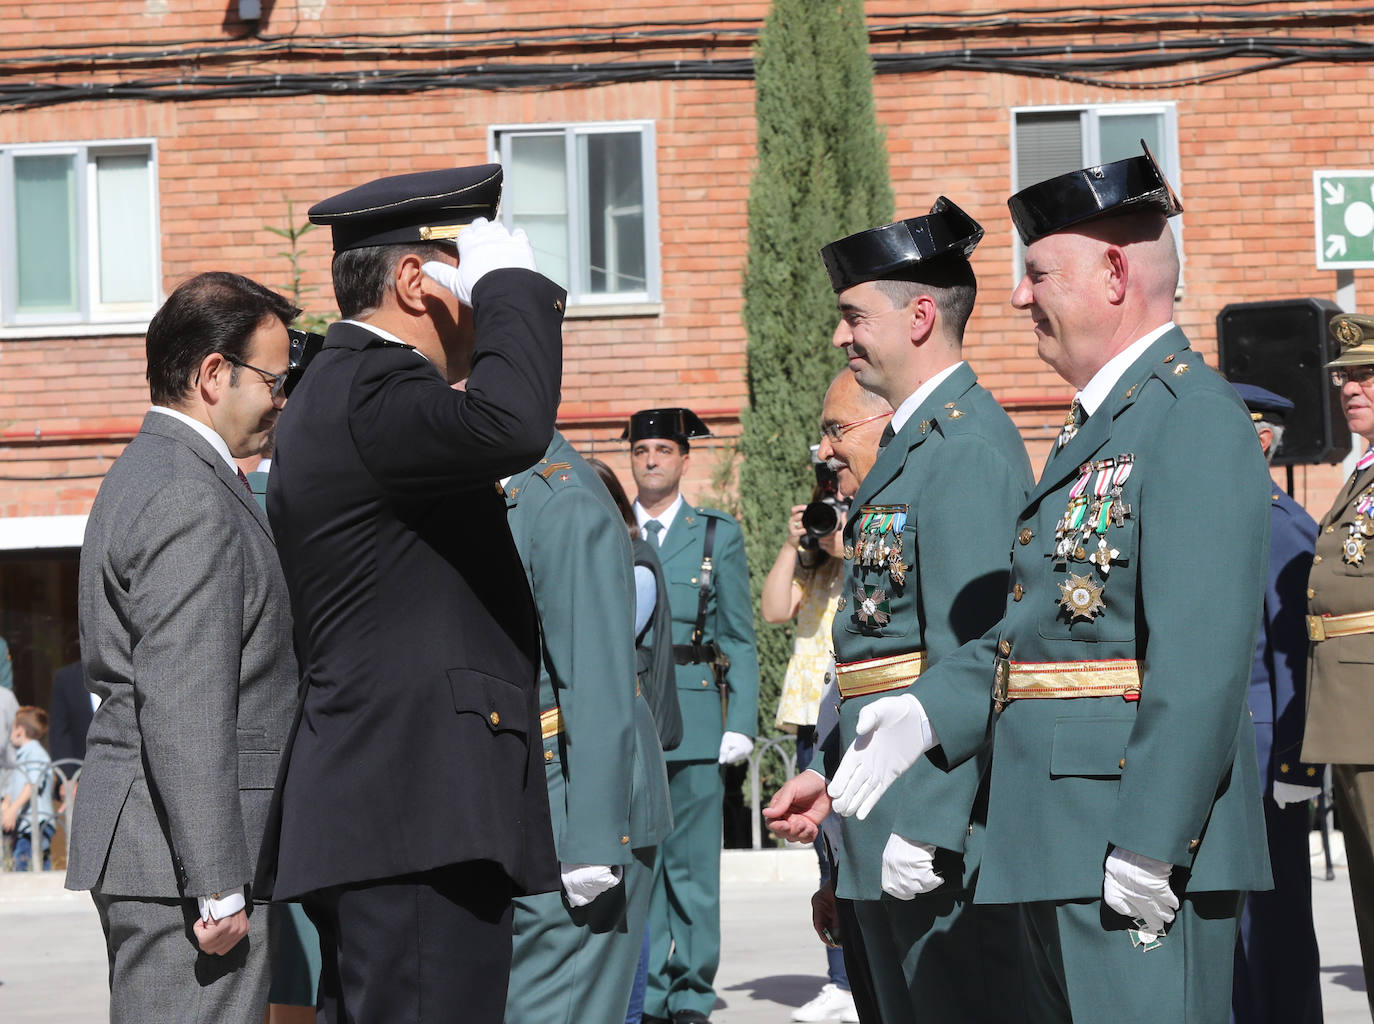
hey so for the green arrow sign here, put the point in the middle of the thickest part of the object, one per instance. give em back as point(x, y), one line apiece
point(1344, 218)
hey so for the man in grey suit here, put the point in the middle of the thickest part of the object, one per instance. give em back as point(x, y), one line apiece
point(186, 638)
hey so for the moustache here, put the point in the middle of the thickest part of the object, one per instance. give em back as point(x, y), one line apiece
point(835, 465)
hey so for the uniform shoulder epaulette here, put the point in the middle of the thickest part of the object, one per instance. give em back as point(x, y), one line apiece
point(955, 416)
point(716, 513)
point(1186, 371)
point(556, 473)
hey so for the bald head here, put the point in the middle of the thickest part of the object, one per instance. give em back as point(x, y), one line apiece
point(1093, 289)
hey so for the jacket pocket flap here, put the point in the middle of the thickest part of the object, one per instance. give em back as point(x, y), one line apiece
point(258, 768)
point(502, 704)
point(1089, 746)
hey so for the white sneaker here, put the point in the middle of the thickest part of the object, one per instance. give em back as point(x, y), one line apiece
point(832, 1003)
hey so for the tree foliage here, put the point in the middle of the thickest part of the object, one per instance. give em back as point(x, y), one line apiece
point(821, 174)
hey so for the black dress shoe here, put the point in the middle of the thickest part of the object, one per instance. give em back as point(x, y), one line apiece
point(690, 1017)
point(649, 1018)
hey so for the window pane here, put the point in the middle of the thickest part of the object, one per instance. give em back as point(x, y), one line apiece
point(45, 233)
point(612, 242)
point(1120, 135)
point(536, 188)
point(1047, 144)
point(124, 222)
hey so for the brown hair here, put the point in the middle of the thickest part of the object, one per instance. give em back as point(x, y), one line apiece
point(34, 721)
point(612, 483)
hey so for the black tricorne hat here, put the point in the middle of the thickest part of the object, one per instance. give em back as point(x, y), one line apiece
point(426, 206)
point(896, 251)
point(1123, 186)
point(677, 424)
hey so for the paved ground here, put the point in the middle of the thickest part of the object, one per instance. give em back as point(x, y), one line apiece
point(52, 963)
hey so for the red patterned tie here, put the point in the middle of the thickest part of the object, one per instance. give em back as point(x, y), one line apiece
point(244, 480)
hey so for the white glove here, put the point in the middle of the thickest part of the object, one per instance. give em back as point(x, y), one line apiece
point(483, 246)
point(893, 732)
point(225, 905)
point(1137, 887)
point(1286, 793)
point(735, 747)
point(908, 868)
point(585, 882)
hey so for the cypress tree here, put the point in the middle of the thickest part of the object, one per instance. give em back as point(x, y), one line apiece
point(821, 174)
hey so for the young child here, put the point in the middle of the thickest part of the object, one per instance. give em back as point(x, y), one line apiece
point(32, 774)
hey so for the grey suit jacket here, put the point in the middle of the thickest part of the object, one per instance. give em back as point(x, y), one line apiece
point(186, 637)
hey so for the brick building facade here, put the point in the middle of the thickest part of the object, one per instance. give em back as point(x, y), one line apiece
point(172, 136)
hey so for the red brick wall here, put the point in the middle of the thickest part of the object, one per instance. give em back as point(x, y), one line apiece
point(227, 168)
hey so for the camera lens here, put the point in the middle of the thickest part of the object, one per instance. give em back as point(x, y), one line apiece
point(820, 519)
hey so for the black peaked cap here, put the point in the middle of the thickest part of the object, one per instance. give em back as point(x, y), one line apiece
point(421, 207)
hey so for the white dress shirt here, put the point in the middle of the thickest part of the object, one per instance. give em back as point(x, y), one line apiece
point(913, 401)
point(665, 517)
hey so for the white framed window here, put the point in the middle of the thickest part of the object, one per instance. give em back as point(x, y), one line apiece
point(1055, 140)
point(79, 233)
point(587, 196)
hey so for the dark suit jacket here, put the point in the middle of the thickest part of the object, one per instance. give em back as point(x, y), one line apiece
point(69, 716)
point(418, 742)
point(186, 638)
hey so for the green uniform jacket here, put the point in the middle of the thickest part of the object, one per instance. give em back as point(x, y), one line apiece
point(959, 469)
point(729, 622)
point(1170, 775)
point(608, 789)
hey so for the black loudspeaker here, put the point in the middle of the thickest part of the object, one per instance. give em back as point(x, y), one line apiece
point(1283, 347)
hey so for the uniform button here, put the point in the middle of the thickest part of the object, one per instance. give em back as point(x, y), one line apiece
point(495, 718)
point(1004, 647)
point(704, 683)
point(1079, 553)
point(1193, 844)
point(548, 755)
point(1121, 763)
point(694, 579)
point(558, 305)
point(1330, 529)
point(624, 840)
point(1316, 559)
point(1018, 592)
point(1311, 592)
point(1025, 535)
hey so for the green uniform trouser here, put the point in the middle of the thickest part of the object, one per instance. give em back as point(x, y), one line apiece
point(576, 966)
point(1081, 966)
point(684, 911)
point(935, 959)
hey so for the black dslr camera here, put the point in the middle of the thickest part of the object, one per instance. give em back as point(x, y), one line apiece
point(305, 345)
point(822, 517)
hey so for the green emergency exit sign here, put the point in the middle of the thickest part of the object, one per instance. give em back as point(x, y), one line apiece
point(1344, 218)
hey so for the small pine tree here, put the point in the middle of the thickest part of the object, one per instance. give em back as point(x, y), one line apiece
point(822, 174)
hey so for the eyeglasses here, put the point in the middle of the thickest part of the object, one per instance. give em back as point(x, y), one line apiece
point(276, 381)
point(835, 431)
point(1359, 374)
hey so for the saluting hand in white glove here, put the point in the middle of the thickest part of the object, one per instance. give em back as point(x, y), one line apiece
point(483, 246)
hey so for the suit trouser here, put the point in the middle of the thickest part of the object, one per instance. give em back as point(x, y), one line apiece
point(1352, 787)
point(856, 963)
point(684, 910)
point(1278, 979)
point(930, 959)
point(429, 947)
point(575, 966)
point(158, 973)
point(1081, 965)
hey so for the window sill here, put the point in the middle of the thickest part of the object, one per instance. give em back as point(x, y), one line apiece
point(18, 332)
point(606, 311)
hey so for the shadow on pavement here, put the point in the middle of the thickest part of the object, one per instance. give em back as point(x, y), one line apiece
point(1349, 976)
point(784, 989)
